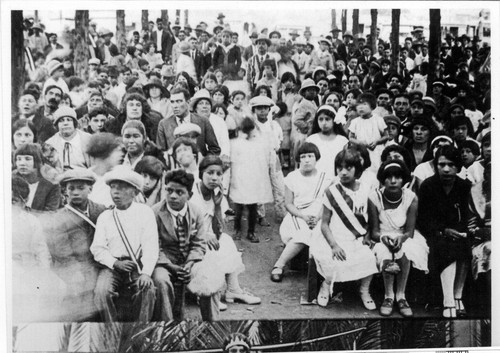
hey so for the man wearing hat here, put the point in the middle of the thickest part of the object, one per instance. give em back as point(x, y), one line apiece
point(52, 96)
point(227, 56)
point(207, 142)
point(105, 47)
point(53, 44)
point(442, 101)
point(56, 72)
point(249, 51)
point(322, 56)
point(255, 70)
point(303, 114)
point(342, 48)
point(182, 234)
point(164, 40)
point(301, 58)
point(335, 36)
point(70, 142)
point(367, 56)
point(294, 34)
point(69, 237)
point(185, 62)
point(375, 79)
point(126, 245)
point(188, 30)
point(418, 32)
point(307, 34)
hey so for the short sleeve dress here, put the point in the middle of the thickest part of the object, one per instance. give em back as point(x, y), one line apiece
point(360, 260)
point(392, 224)
point(368, 131)
point(307, 192)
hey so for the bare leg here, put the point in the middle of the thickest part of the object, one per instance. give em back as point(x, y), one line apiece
point(388, 281)
point(402, 278)
point(460, 277)
point(289, 252)
point(447, 282)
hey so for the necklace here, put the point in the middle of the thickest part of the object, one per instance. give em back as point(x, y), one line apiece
point(393, 202)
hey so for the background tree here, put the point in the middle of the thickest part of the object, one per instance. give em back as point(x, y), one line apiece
point(186, 17)
point(396, 14)
point(18, 73)
point(355, 25)
point(164, 17)
point(144, 20)
point(343, 19)
point(373, 31)
point(121, 32)
point(434, 43)
point(334, 19)
point(81, 54)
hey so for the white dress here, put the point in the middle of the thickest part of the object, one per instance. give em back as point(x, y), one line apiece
point(392, 224)
point(328, 150)
point(308, 194)
point(368, 131)
point(360, 260)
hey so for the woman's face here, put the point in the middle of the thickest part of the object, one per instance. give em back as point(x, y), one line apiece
point(456, 112)
point(152, 49)
point(393, 183)
point(22, 136)
point(263, 92)
point(210, 84)
point(95, 102)
point(181, 78)
point(27, 105)
point(66, 126)
point(65, 102)
point(393, 155)
point(25, 165)
point(212, 176)
point(218, 98)
point(220, 112)
point(421, 134)
point(133, 140)
point(134, 110)
point(325, 123)
point(307, 162)
point(203, 108)
point(150, 181)
point(220, 77)
point(460, 133)
point(447, 170)
point(184, 155)
point(333, 100)
point(154, 92)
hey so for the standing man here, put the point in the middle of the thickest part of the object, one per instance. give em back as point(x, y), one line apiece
point(182, 230)
point(207, 142)
point(254, 72)
point(106, 47)
point(249, 51)
point(164, 41)
point(126, 244)
point(53, 44)
point(227, 56)
point(197, 56)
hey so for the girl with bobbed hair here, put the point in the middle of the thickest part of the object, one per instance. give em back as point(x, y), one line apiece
point(28, 161)
point(135, 107)
point(183, 76)
point(152, 170)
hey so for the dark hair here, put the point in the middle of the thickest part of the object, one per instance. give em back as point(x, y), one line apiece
point(102, 144)
point(363, 153)
point(235, 93)
point(402, 171)
point(75, 82)
point(269, 62)
point(350, 158)
point(31, 149)
point(20, 187)
point(18, 124)
point(180, 176)
point(99, 111)
point(207, 161)
point(221, 106)
point(209, 75)
point(191, 85)
point(31, 92)
point(187, 142)
point(283, 108)
point(337, 128)
point(450, 153)
point(150, 165)
point(135, 97)
point(225, 92)
point(247, 125)
point(287, 76)
point(307, 147)
point(178, 90)
point(384, 91)
point(368, 98)
point(355, 92)
point(256, 92)
point(462, 120)
point(149, 45)
point(472, 145)
point(52, 87)
point(398, 149)
point(404, 95)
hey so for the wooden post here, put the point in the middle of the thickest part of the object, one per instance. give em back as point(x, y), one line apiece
point(164, 17)
point(373, 30)
point(396, 14)
point(18, 72)
point(80, 44)
point(334, 19)
point(178, 16)
point(186, 17)
point(144, 20)
point(434, 43)
point(121, 32)
point(355, 25)
point(343, 19)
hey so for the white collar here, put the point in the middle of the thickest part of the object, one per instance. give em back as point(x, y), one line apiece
point(176, 213)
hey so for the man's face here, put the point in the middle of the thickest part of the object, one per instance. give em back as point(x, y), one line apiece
point(367, 52)
point(234, 38)
point(27, 105)
point(447, 170)
point(385, 67)
point(53, 97)
point(353, 63)
point(401, 106)
point(159, 25)
point(97, 122)
point(151, 26)
point(408, 44)
point(95, 102)
point(177, 195)
point(310, 93)
point(103, 76)
point(179, 104)
point(383, 100)
point(323, 86)
point(262, 112)
point(53, 38)
point(262, 47)
point(78, 192)
point(122, 193)
point(182, 35)
point(308, 49)
point(425, 51)
point(354, 82)
point(107, 39)
point(416, 109)
point(226, 39)
point(436, 90)
point(387, 53)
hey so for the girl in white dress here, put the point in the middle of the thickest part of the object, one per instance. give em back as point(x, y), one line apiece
point(341, 249)
point(304, 189)
point(222, 256)
point(393, 213)
point(330, 138)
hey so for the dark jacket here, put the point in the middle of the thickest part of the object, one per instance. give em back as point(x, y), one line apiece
point(43, 126)
point(167, 42)
point(47, 196)
point(230, 65)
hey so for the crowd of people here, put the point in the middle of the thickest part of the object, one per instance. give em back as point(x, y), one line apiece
point(122, 184)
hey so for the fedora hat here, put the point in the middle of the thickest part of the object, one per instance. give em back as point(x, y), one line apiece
point(105, 32)
point(307, 83)
point(324, 40)
point(263, 37)
point(294, 32)
point(348, 34)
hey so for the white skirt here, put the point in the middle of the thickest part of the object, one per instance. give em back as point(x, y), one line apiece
point(415, 249)
point(481, 258)
point(296, 230)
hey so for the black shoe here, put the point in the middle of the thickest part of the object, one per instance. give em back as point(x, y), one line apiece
point(277, 274)
point(262, 222)
point(253, 238)
point(237, 235)
point(230, 212)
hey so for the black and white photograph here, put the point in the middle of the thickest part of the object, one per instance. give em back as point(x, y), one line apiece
point(248, 176)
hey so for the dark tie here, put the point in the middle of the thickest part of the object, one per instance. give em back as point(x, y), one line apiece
point(181, 120)
point(181, 234)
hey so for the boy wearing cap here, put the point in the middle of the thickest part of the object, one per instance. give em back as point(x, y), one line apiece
point(70, 238)
point(56, 72)
point(227, 57)
point(126, 244)
point(70, 142)
point(443, 102)
point(182, 232)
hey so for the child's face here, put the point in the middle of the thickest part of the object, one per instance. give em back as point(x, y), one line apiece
point(268, 70)
point(97, 123)
point(363, 108)
point(210, 84)
point(238, 101)
point(218, 98)
point(220, 112)
point(350, 100)
point(393, 131)
point(460, 133)
point(487, 150)
point(467, 156)
point(289, 84)
point(325, 123)
point(346, 174)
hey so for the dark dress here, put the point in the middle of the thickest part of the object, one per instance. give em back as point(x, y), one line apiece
point(437, 211)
